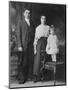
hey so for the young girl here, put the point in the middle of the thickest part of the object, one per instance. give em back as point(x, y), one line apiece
point(52, 44)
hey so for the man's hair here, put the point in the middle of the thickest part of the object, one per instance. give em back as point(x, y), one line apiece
point(26, 10)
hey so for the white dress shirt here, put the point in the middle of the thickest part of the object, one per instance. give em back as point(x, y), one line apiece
point(41, 31)
point(27, 21)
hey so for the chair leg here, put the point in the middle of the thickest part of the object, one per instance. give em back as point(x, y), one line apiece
point(54, 75)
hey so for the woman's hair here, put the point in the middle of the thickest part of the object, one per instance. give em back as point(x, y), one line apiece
point(42, 15)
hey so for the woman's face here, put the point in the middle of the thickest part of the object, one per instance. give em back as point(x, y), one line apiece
point(43, 19)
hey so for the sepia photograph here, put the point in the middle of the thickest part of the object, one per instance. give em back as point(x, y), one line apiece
point(37, 44)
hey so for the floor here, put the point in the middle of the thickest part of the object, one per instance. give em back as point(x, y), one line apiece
point(32, 84)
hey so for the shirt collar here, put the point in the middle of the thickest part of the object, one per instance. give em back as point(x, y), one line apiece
point(27, 21)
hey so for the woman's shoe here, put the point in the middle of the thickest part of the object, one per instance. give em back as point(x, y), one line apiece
point(22, 82)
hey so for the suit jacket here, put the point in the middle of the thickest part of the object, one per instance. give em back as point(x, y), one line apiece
point(25, 34)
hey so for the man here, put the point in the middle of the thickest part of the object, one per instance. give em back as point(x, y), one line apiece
point(40, 42)
point(25, 35)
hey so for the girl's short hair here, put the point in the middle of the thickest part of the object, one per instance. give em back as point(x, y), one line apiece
point(52, 26)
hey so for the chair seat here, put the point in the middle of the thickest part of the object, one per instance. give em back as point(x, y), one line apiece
point(51, 65)
point(54, 63)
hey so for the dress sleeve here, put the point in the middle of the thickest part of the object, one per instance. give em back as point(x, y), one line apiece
point(48, 31)
point(57, 41)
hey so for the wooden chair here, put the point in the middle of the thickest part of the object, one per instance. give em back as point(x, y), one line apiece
point(50, 65)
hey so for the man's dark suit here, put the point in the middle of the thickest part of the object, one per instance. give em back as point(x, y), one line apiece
point(25, 38)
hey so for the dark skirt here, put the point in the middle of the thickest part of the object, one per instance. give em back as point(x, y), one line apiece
point(41, 45)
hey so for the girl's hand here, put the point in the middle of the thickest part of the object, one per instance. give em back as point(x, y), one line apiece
point(20, 49)
point(47, 49)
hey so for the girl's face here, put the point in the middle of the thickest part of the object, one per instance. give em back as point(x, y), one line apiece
point(52, 31)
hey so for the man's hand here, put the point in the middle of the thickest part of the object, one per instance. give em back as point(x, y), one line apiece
point(19, 48)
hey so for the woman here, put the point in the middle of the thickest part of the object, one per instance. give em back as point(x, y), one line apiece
point(40, 42)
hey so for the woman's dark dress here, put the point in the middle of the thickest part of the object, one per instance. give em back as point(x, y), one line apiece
point(41, 45)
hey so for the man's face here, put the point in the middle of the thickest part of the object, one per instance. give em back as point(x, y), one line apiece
point(27, 14)
point(43, 19)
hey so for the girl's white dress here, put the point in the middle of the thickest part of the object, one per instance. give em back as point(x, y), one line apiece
point(52, 45)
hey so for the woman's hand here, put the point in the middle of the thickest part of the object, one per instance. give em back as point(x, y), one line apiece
point(35, 51)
